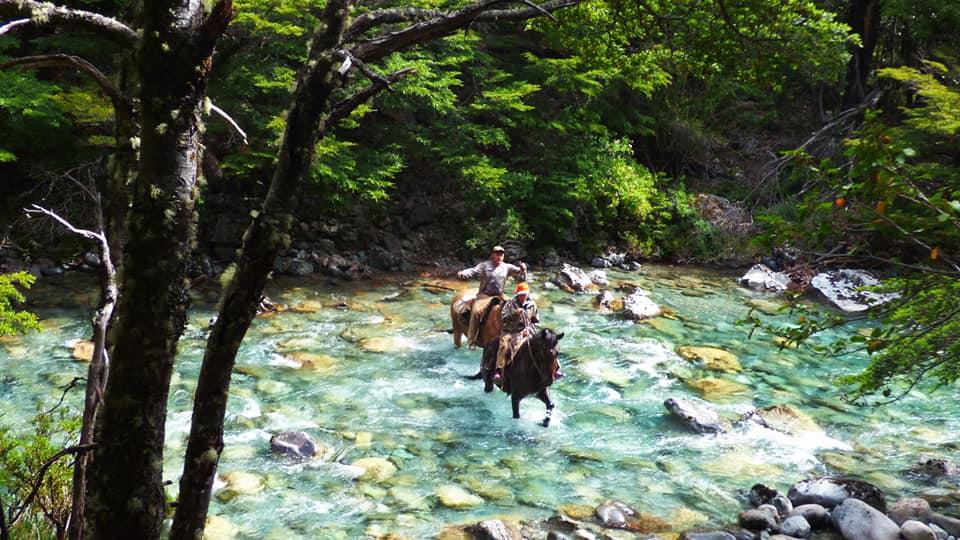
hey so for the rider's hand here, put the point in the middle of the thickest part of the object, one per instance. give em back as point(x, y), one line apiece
point(523, 266)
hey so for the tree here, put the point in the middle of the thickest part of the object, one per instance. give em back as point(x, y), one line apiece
point(125, 497)
point(893, 199)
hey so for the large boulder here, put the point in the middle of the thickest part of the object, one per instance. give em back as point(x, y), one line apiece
point(293, 443)
point(697, 417)
point(571, 278)
point(842, 288)
point(785, 419)
point(495, 529)
point(857, 520)
point(829, 492)
point(761, 278)
point(638, 306)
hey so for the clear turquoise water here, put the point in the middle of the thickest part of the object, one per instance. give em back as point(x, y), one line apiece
point(610, 436)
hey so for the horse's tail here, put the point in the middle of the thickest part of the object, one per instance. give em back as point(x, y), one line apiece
point(477, 376)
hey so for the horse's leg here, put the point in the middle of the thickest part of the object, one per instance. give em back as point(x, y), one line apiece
point(515, 400)
point(486, 369)
point(545, 398)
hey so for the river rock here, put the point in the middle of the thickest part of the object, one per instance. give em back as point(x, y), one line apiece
point(711, 388)
point(711, 358)
point(937, 467)
point(572, 278)
point(841, 288)
point(293, 443)
point(761, 278)
point(758, 519)
point(218, 528)
point(377, 469)
point(910, 508)
point(599, 278)
point(615, 514)
point(947, 523)
point(707, 535)
point(761, 494)
point(830, 491)
point(495, 529)
point(454, 496)
point(795, 526)
point(814, 514)
point(915, 530)
point(857, 520)
point(605, 301)
point(240, 483)
point(83, 350)
point(698, 417)
point(638, 306)
point(785, 419)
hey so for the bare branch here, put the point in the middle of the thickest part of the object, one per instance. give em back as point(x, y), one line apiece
point(446, 23)
point(59, 60)
point(342, 109)
point(40, 474)
point(47, 14)
point(230, 122)
point(13, 24)
point(35, 209)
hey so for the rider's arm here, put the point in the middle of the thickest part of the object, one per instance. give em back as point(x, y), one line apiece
point(470, 272)
point(519, 272)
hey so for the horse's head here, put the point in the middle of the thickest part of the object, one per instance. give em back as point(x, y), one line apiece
point(550, 338)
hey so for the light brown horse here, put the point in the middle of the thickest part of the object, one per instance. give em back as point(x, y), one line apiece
point(489, 323)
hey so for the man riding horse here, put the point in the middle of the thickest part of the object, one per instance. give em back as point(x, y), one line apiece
point(493, 276)
point(519, 318)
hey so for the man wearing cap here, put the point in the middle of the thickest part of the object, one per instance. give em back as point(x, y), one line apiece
point(520, 319)
point(493, 276)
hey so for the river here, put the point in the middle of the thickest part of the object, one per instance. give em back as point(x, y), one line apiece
point(369, 370)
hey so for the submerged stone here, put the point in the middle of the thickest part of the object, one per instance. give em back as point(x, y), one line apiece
point(454, 496)
point(711, 358)
point(83, 350)
point(713, 389)
point(376, 469)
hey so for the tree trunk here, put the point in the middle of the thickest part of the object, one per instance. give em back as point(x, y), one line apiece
point(864, 20)
point(125, 491)
point(267, 236)
point(96, 380)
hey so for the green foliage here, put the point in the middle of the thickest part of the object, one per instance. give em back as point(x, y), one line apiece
point(22, 454)
point(11, 320)
point(896, 199)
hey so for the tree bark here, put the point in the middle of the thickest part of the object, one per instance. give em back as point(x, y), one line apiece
point(864, 20)
point(125, 496)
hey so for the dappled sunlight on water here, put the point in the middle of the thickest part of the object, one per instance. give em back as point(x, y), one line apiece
point(369, 371)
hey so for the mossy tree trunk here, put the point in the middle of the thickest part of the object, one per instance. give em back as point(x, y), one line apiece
point(125, 496)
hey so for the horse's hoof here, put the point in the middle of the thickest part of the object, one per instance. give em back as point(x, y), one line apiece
point(545, 423)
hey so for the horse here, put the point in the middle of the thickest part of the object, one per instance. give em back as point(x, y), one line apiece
point(460, 317)
point(530, 373)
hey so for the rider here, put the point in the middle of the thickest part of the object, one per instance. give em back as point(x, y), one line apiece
point(520, 318)
point(493, 276)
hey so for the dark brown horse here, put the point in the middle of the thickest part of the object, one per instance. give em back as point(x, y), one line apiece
point(533, 369)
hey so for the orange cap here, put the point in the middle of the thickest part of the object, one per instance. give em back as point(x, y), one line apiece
point(522, 288)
